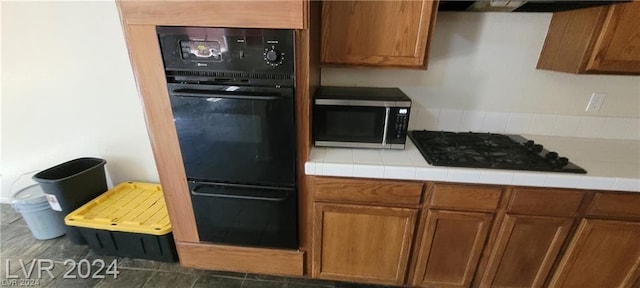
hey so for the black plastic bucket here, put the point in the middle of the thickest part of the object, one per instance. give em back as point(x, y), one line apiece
point(71, 185)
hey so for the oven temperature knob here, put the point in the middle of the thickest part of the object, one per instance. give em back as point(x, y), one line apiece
point(273, 57)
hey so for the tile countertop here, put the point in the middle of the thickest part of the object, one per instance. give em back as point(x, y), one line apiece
point(610, 165)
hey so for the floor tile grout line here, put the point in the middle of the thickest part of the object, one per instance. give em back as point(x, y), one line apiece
point(148, 279)
point(197, 279)
point(222, 276)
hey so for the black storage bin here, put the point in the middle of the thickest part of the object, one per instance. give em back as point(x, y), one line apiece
point(132, 245)
point(73, 184)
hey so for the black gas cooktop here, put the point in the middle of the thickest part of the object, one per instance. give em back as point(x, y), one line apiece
point(488, 150)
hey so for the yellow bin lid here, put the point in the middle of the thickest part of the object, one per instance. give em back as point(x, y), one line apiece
point(129, 207)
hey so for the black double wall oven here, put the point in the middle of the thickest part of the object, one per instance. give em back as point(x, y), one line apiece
point(232, 97)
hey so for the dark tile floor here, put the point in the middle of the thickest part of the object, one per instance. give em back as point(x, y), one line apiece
point(18, 249)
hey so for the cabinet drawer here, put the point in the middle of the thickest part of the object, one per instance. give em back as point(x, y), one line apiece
point(368, 191)
point(615, 205)
point(467, 197)
point(545, 202)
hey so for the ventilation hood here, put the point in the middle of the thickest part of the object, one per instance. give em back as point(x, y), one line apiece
point(520, 5)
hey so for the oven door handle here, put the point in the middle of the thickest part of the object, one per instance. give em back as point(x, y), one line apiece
point(214, 94)
point(236, 193)
point(244, 197)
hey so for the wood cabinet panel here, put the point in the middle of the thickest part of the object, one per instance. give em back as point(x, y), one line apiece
point(380, 192)
point(383, 33)
point(465, 197)
point(144, 53)
point(602, 254)
point(450, 248)
point(525, 251)
point(615, 205)
point(618, 45)
point(243, 14)
point(545, 202)
point(594, 40)
point(362, 243)
point(307, 80)
point(235, 258)
point(570, 38)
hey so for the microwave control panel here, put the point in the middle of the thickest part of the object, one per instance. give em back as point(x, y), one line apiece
point(399, 123)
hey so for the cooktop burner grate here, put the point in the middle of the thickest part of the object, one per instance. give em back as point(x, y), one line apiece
point(488, 150)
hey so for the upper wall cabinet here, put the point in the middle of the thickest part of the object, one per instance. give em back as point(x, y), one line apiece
point(602, 40)
point(377, 33)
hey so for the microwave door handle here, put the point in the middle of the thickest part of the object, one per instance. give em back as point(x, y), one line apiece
point(387, 111)
point(213, 94)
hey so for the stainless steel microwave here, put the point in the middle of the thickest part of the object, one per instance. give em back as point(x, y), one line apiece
point(361, 117)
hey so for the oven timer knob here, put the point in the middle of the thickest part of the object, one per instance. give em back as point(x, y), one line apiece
point(273, 57)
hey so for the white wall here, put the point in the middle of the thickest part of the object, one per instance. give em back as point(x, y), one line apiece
point(68, 91)
point(486, 62)
point(1, 174)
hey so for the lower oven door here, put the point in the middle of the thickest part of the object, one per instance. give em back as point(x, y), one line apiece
point(245, 215)
point(235, 134)
point(349, 126)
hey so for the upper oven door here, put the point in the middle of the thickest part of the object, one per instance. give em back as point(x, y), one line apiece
point(349, 126)
point(235, 134)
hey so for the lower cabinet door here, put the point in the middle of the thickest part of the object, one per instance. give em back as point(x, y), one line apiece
point(602, 254)
point(525, 251)
point(366, 244)
point(452, 243)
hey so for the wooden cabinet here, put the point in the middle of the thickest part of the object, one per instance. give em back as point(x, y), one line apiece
point(473, 235)
point(378, 33)
point(358, 243)
point(451, 247)
point(535, 226)
point(602, 254)
point(605, 251)
point(139, 20)
point(526, 249)
point(595, 40)
point(363, 229)
point(453, 234)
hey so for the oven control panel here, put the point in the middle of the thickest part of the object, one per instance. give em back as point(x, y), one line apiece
point(227, 49)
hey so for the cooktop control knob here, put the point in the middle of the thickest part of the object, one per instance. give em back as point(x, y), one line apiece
point(562, 161)
point(551, 155)
point(537, 148)
point(273, 57)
